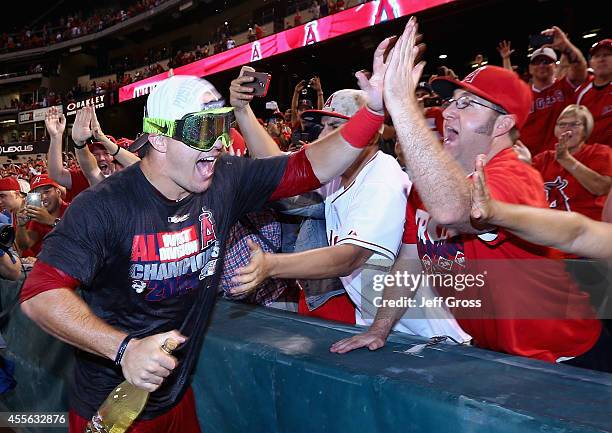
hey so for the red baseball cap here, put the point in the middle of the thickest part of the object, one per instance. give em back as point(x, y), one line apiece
point(604, 43)
point(99, 145)
point(9, 184)
point(43, 180)
point(497, 85)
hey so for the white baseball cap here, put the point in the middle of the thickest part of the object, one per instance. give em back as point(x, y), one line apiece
point(175, 97)
point(546, 52)
point(342, 104)
point(180, 95)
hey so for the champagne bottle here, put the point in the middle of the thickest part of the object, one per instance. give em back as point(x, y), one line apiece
point(123, 405)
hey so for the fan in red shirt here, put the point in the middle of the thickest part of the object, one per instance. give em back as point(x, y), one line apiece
point(550, 94)
point(576, 175)
point(526, 310)
point(596, 93)
point(43, 219)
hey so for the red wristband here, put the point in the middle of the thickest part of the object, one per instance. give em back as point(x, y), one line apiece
point(360, 129)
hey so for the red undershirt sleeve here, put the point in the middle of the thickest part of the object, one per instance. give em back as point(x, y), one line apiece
point(298, 178)
point(44, 277)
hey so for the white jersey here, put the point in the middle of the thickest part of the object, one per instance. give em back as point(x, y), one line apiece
point(370, 212)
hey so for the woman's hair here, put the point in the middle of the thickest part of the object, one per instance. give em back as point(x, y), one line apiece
point(583, 114)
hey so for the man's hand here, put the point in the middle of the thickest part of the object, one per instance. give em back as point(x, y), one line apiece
point(81, 130)
point(403, 72)
point(299, 86)
point(524, 154)
point(373, 339)
point(95, 127)
point(40, 214)
point(240, 96)
point(561, 148)
point(145, 365)
point(374, 84)
point(22, 217)
point(560, 41)
point(504, 49)
point(55, 123)
point(483, 206)
point(316, 84)
point(252, 275)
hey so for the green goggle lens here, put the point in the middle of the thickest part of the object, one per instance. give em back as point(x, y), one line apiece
point(197, 130)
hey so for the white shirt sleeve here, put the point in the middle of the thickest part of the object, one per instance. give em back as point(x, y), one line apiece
point(376, 220)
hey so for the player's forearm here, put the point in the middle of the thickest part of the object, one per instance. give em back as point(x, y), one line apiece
point(441, 181)
point(64, 315)
point(55, 164)
point(331, 155)
point(257, 139)
point(327, 262)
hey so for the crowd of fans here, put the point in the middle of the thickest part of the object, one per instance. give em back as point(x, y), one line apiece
point(545, 143)
point(72, 26)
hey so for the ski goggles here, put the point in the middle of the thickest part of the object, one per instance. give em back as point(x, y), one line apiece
point(199, 130)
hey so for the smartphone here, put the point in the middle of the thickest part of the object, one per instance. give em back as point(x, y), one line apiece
point(260, 84)
point(432, 101)
point(536, 41)
point(33, 199)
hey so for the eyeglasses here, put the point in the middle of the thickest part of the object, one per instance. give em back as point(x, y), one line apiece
point(541, 61)
point(570, 125)
point(199, 130)
point(465, 101)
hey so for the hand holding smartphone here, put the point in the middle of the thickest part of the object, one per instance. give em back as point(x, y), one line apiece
point(260, 84)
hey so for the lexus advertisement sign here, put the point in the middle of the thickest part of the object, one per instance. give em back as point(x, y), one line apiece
point(18, 149)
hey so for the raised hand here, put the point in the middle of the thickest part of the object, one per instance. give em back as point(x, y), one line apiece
point(81, 130)
point(373, 85)
point(403, 71)
point(562, 147)
point(524, 154)
point(95, 127)
point(505, 49)
point(482, 208)
point(55, 122)
point(560, 41)
point(240, 96)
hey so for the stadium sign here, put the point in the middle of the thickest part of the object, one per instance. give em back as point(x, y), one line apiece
point(16, 149)
point(99, 101)
point(38, 115)
point(326, 28)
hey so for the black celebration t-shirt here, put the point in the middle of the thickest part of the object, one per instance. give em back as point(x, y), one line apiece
point(150, 265)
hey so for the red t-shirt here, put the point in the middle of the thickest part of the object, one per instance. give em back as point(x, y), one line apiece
point(599, 102)
point(538, 133)
point(563, 191)
point(525, 302)
point(79, 184)
point(42, 230)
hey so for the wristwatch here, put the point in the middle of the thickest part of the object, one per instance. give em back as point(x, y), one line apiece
point(57, 220)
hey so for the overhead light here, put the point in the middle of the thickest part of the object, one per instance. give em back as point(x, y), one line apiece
point(75, 49)
point(442, 56)
point(484, 62)
point(589, 35)
point(225, 23)
point(7, 121)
